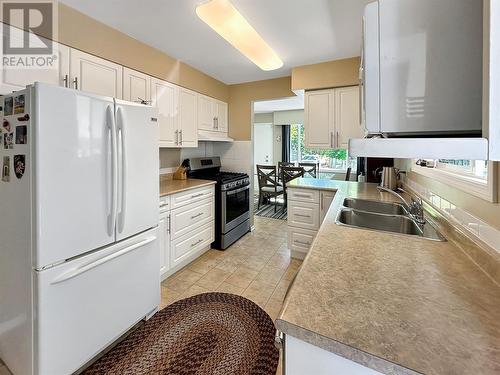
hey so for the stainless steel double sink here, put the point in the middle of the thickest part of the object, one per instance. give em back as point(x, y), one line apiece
point(384, 216)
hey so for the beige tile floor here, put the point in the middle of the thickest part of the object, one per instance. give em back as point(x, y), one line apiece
point(258, 267)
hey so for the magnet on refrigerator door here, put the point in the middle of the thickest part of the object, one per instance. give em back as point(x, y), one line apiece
point(19, 104)
point(8, 106)
point(8, 141)
point(6, 169)
point(21, 135)
point(19, 165)
point(7, 126)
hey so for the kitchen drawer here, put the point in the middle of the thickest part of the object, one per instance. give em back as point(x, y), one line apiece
point(303, 195)
point(300, 240)
point(164, 204)
point(191, 196)
point(303, 215)
point(185, 219)
point(185, 248)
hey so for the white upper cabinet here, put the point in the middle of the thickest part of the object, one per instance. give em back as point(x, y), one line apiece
point(188, 118)
point(212, 114)
point(164, 95)
point(93, 74)
point(347, 116)
point(16, 78)
point(206, 113)
point(332, 118)
point(178, 114)
point(221, 116)
point(319, 119)
point(136, 86)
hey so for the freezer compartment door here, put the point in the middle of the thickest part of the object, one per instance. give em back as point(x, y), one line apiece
point(138, 167)
point(74, 173)
point(86, 304)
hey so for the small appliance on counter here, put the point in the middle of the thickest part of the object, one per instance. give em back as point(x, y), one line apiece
point(232, 199)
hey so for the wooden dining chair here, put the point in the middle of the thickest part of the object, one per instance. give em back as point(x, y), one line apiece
point(283, 164)
point(310, 169)
point(288, 174)
point(269, 187)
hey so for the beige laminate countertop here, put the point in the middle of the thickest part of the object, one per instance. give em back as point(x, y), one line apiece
point(396, 304)
point(169, 186)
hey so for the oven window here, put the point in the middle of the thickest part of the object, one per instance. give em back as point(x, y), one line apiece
point(237, 204)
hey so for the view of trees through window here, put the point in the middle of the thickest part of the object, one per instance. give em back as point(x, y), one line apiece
point(329, 160)
point(476, 168)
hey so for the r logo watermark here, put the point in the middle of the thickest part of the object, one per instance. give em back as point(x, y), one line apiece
point(29, 28)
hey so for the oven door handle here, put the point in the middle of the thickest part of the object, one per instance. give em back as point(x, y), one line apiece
point(233, 192)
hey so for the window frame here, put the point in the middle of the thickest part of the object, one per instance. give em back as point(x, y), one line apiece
point(482, 188)
point(321, 170)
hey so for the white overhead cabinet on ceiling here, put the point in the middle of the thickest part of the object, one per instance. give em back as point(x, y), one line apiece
point(136, 86)
point(178, 114)
point(93, 74)
point(436, 82)
point(332, 117)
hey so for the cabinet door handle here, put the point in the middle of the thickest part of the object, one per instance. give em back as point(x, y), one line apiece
point(75, 83)
point(215, 125)
point(300, 215)
point(331, 140)
point(302, 195)
point(176, 137)
point(302, 243)
point(180, 137)
point(66, 80)
point(169, 227)
point(338, 140)
point(197, 243)
point(195, 216)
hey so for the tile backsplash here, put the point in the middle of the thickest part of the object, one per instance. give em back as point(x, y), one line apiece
point(472, 225)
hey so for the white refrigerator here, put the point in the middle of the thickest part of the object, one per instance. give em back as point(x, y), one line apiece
point(79, 198)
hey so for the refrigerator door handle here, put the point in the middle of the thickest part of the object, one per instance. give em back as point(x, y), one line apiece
point(121, 131)
point(78, 271)
point(110, 120)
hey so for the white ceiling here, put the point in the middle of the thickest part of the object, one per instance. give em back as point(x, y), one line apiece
point(300, 31)
point(287, 104)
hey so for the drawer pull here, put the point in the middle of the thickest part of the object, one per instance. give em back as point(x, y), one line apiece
point(302, 195)
point(197, 243)
point(195, 216)
point(197, 195)
point(302, 243)
point(300, 215)
point(164, 205)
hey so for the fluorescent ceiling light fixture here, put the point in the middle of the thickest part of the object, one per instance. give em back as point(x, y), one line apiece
point(225, 19)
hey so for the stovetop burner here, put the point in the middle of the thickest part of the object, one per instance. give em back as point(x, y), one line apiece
point(209, 169)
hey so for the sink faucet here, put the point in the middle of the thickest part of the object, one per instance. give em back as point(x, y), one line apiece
point(415, 208)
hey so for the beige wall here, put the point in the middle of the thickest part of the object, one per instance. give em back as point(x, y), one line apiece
point(241, 98)
point(480, 208)
point(84, 33)
point(338, 73)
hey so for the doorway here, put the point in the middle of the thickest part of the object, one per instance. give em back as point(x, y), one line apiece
point(263, 148)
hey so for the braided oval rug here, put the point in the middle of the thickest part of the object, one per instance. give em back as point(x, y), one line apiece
point(212, 333)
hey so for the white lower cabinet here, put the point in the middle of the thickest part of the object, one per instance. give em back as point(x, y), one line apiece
point(188, 247)
point(303, 358)
point(187, 226)
point(164, 235)
point(307, 209)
